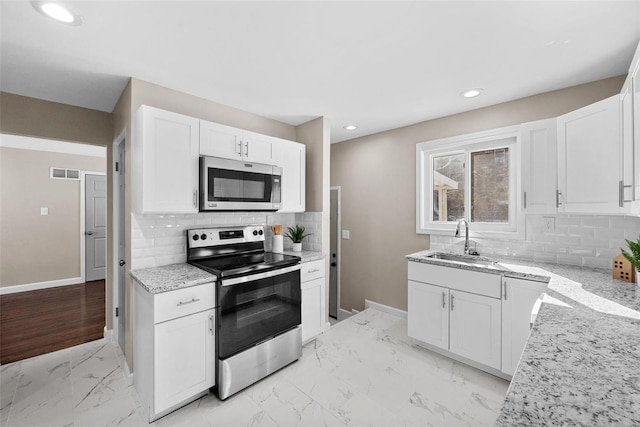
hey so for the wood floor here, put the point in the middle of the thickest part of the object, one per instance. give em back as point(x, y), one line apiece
point(46, 320)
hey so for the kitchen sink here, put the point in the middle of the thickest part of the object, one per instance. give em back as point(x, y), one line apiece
point(464, 259)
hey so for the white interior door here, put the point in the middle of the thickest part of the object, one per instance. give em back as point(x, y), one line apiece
point(122, 246)
point(95, 227)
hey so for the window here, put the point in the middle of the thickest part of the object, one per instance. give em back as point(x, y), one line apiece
point(471, 177)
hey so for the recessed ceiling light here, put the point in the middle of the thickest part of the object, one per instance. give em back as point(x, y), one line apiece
point(57, 12)
point(472, 93)
point(351, 127)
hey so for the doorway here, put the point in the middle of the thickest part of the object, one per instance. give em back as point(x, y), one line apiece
point(334, 248)
point(120, 242)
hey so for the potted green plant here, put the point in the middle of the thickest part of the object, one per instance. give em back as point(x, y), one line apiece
point(634, 256)
point(297, 235)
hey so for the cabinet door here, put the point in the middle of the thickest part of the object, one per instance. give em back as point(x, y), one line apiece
point(635, 86)
point(428, 314)
point(626, 113)
point(539, 166)
point(259, 148)
point(184, 351)
point(292, 161)
point(312, 308)
point(589, 158)
point(167, 158)
point(518, 298)
point(475, 323)
point(220, 141)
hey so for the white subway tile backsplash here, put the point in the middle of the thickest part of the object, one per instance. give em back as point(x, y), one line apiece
point(589, 240)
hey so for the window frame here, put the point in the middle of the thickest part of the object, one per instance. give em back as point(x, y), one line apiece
point(508, 137)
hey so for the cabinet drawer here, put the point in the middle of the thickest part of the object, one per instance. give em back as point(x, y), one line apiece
point(474, 282)
point(182, 302)
point(312, 270)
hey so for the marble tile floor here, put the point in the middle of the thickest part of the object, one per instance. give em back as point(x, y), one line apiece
point(364, 371)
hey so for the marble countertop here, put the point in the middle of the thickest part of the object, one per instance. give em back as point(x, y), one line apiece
point(171, 277)
point(581, 364)
point(306, 256)
point(497, 268)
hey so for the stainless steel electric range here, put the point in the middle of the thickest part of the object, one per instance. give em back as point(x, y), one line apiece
point(258, 301)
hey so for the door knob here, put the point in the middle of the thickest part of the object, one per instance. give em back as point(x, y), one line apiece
point(122, 262)
point(333, 264)
point(89, 233)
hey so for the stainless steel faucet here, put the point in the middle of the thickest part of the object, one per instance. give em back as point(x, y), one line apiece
point(466, 234)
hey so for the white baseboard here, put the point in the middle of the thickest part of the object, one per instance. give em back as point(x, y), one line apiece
point(40, 285)
point(385, 308)
point(327, 326)
point(343, 314)
point(108, 334)
point(128, 376)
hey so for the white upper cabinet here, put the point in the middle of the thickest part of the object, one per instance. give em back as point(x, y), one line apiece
point(292, 161)
point(634, 86)
point(626, 115)
point(589, 158)
point(259, 148)
point(236, 144)
point(220, 141)
point(539, 166)
point(165, 162)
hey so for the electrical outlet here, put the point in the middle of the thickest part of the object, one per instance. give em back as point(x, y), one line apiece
point(44, 211)
point(549, 224)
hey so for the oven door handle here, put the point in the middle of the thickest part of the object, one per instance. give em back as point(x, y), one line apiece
point(259, 276)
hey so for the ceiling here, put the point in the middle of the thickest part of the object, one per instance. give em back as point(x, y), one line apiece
point(379, 65)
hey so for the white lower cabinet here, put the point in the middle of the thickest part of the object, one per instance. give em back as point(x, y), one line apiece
point(460, 322)
point(474, 316)
point(312, 282)
point(474, 327)
point(174, 352)
point(518, 299)
point(184, 362)
point(429, 314)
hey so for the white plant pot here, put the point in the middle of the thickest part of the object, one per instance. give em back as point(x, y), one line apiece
point(297, 247)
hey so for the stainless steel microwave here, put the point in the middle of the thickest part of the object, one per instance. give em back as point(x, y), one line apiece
point(233, 185)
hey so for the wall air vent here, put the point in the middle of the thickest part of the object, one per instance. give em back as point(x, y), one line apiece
point(61, 173)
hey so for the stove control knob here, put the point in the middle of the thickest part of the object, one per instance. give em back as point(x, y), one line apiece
point(195, 237)
point(260, 232)
point(255, 232)
point(203, 237)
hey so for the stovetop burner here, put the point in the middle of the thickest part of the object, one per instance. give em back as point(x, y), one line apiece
point(233, 251)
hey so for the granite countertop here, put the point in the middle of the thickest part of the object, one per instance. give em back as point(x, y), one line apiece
point(581, 364)
point(305, 256)
point(171, 277)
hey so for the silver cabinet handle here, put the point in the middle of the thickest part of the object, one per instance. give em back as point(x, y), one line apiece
point(246, 147)
point(188, 302)
point(525, 200)
point(444, 299)
point(451, 302)
point(504, 285)
point(558, 194)
point(239, 148)
point(313, 271)
point(211, 324)
point(621, 194)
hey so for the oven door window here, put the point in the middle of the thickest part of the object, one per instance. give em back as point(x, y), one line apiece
point(252, 312)
point(235, 186)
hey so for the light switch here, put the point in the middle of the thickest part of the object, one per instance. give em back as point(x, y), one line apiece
point(345, 234)
point(44, 211)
